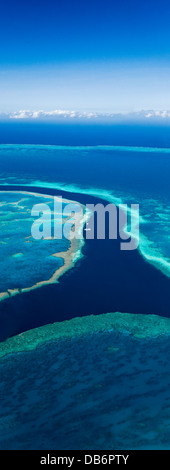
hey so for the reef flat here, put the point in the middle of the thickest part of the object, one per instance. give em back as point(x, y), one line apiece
point(91, 391)
point(139, 326)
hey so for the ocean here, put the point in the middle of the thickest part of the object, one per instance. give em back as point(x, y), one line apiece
point(122, 165)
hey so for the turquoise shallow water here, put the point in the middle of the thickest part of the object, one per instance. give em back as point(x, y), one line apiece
point(24, 261)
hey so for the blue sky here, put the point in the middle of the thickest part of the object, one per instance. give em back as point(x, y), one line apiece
point(88, 56)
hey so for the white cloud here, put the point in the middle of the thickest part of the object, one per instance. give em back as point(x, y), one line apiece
point(158, 114)
point(67, 114)
point(27, 114)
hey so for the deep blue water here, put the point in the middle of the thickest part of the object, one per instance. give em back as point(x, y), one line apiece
point(141, 134)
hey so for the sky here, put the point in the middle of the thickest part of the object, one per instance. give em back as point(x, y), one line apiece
point(91, 57)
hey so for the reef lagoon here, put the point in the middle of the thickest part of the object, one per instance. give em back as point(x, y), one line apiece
point(25, 262)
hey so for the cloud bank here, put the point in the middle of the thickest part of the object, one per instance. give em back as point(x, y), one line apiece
point(158, 114)
point(58, 114)
point(26, 114)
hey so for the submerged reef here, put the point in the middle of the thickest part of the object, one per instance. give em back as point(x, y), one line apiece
point(140, 326)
